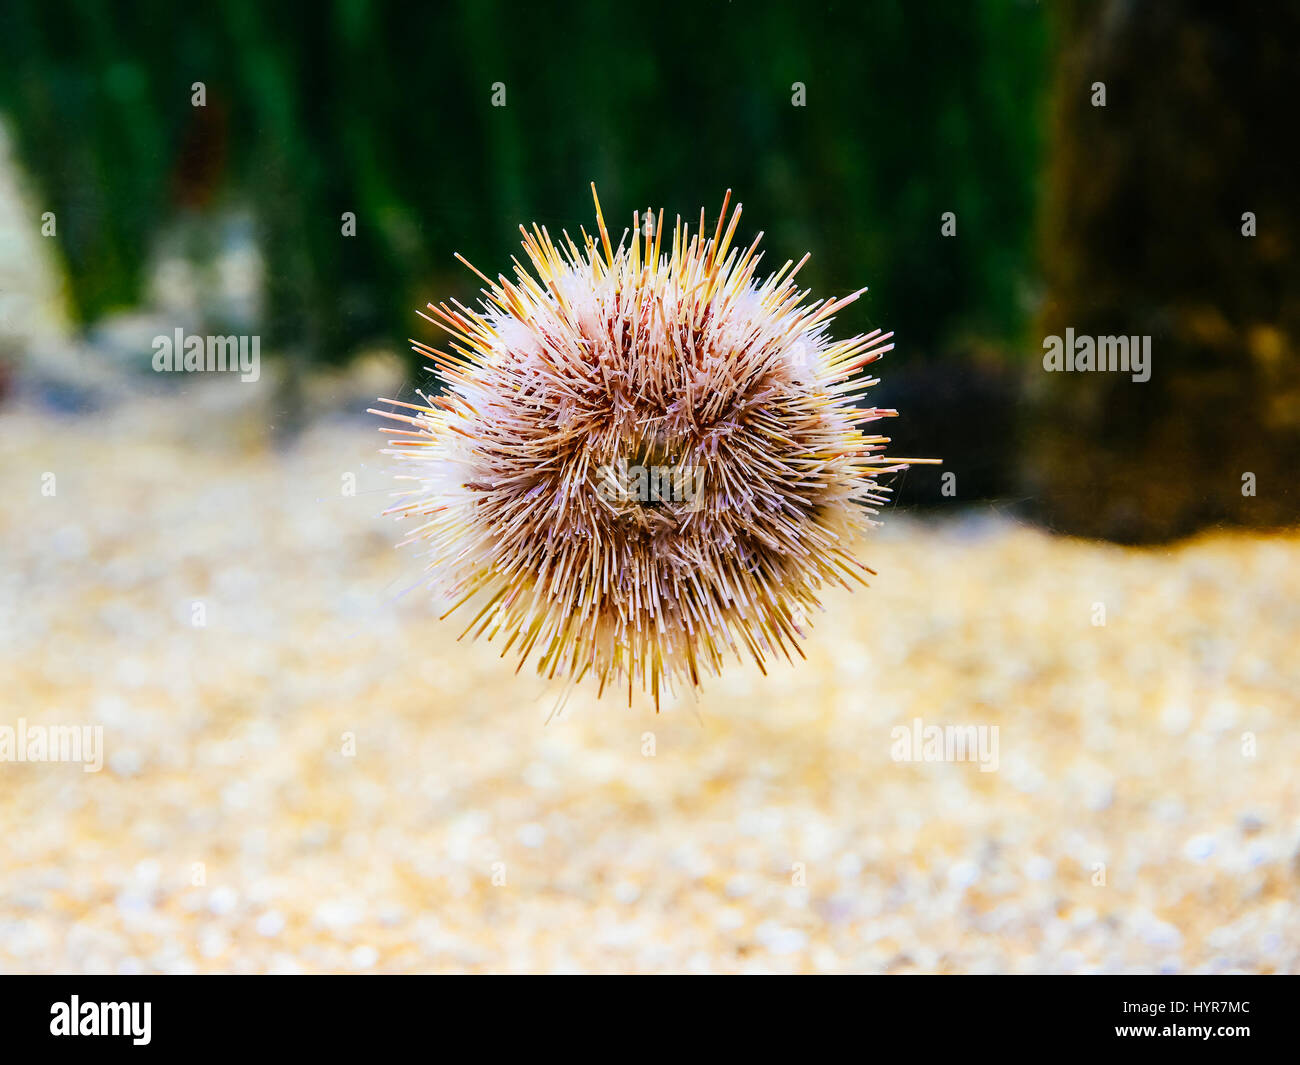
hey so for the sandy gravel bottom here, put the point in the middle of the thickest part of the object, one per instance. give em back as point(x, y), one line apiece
point(319, 777)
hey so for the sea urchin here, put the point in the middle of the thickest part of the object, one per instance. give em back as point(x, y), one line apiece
point(641, 459)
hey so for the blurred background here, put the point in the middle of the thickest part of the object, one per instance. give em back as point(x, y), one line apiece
point(996, 173)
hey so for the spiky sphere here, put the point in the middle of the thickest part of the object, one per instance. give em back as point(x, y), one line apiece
point(642, 460)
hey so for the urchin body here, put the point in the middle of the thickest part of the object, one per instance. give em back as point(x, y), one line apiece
point(753, 478)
